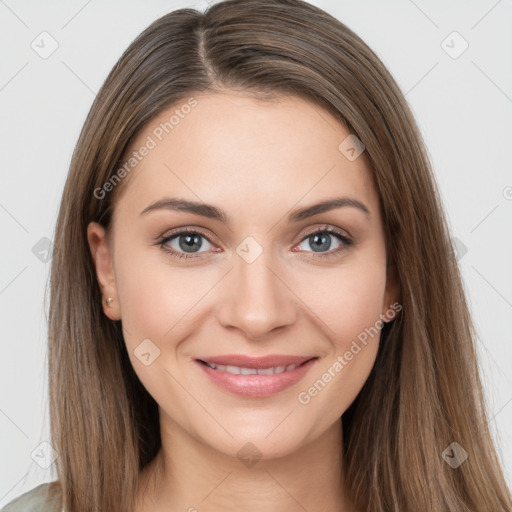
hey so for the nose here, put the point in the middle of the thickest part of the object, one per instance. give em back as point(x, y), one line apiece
point(256, 299)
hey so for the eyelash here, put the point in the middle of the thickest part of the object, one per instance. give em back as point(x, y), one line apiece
point(346, 241)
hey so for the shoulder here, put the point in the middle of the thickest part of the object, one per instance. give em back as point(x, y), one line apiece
point(35, 500)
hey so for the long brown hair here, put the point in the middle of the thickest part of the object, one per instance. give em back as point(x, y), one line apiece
point(424, 392)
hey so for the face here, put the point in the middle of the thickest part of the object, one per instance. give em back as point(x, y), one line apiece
point(256, 279)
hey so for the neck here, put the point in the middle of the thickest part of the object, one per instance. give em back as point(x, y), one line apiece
point(187, 475)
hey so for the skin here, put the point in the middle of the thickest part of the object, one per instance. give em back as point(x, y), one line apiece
point(258, 161)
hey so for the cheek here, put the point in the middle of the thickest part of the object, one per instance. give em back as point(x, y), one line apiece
point(161, 302)
point(346, 299)
point(359, 305)
point(139, 286)
point(153, 294)
point(347, 303)
point(155, 299)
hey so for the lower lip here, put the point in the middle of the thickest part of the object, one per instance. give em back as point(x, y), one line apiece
point(256, 386)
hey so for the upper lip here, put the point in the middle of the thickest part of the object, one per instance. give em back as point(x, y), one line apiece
point(269, 361)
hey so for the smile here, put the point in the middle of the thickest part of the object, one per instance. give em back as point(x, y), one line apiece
point(260, 382)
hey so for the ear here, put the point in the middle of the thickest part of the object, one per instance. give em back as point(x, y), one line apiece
point(391, 305)
point(102, 258)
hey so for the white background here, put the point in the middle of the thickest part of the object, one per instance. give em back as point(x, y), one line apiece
point(463, 107)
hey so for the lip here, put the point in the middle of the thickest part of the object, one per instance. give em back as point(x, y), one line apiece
point(256, 386)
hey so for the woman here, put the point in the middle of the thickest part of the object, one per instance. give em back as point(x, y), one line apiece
point(254, 299)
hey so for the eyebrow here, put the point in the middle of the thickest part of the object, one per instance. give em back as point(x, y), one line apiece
point(212, 212)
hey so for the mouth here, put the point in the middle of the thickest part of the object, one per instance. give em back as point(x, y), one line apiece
point(255, 377)
point(247, 370)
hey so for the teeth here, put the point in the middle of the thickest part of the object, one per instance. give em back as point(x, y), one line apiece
point(247, 371)
point(237, 370)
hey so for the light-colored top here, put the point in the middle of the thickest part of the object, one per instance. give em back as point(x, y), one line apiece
point(32, 501)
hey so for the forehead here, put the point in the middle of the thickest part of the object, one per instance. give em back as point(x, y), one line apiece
point(233, 150)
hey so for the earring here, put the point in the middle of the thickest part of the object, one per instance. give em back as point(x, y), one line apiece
point(109, 301)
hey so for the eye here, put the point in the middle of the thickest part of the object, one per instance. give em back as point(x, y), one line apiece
point(185, 243)
point(320, 240)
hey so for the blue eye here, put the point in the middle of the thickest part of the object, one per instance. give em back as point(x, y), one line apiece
point(187, 243)
point(320, 241)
